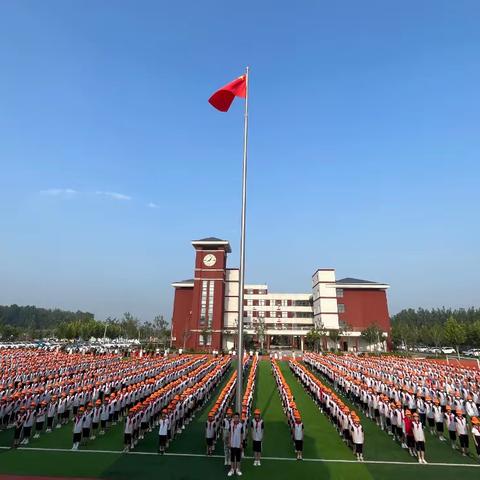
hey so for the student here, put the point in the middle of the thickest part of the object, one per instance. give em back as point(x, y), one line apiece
point(476, 434)
point(19, 422)
point(28, 424)
point(51, 413)
point(298, 436)
point(210, 434)
point(451, 426)
point(438, 419)
point(77, 428)
point(407, 424)
point(358, 438)
point(419, 436)
point(87, 423)
point(97, 411)
point(257, 426)
point(236, 434)
point(128, 431)
point(226, 436)
point(163, 427)
point(40, 419)
point(462, 431)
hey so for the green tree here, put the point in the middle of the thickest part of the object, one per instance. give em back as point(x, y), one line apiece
point(334, 334)
point(455, 333)
point(372, 335)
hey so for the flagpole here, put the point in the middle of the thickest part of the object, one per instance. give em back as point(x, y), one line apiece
point(241, 287)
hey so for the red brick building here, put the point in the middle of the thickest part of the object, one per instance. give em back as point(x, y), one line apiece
point(205, 309)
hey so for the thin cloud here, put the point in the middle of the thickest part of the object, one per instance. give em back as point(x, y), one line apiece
point(152, 205)
point(56, 192)
point(114, 195)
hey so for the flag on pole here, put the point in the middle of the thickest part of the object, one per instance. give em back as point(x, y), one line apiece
point(223, 98)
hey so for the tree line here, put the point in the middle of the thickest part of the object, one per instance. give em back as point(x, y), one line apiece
point(437, 327)
point(30, 322)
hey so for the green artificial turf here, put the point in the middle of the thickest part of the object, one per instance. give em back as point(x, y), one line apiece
point(321, 441)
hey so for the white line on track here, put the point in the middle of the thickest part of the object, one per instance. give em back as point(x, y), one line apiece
point(173, 454)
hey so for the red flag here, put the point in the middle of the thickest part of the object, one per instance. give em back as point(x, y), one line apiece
point(223, 98)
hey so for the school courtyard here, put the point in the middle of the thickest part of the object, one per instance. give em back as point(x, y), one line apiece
point(326, 456)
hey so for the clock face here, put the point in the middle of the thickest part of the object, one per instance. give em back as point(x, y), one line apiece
point(209, 260)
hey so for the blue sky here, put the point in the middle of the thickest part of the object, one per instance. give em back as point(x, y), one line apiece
point(364, 147)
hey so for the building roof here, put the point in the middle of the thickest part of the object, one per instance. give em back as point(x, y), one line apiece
point(210, 239)
point(349, 282)
point(183, 283)
point(213, 241)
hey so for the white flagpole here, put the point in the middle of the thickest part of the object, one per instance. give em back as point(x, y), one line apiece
point(239, 393)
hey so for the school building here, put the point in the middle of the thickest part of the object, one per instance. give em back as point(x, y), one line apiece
point(205, 308)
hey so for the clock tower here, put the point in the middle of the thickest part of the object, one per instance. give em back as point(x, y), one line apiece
point(199, 302)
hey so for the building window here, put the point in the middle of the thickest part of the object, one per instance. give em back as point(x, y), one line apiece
point(339, 292)
point(249, 302)
point(278, 303)
point(203, 309)
point(341, 308)
point(284, 314)
point(261, 303)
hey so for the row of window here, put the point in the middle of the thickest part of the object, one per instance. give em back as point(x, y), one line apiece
point(277, 314)
point(277, 303)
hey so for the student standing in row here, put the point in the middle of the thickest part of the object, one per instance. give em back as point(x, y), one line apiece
point(77, 428)
point(419, 436)
point(226, 436)
point(257, 426)
point(236, 436)
point(476, 434)
point(462, 431)
point(358, 438)
point(298, 437)
point(163, 427)
point(210, 434)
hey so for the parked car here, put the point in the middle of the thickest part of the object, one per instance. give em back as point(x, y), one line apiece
point(448, 350)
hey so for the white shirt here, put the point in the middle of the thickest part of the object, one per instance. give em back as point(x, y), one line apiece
point(418, 433)
point(163, 426)
point(210, 429)
point(358, 435)
point(236, 432)
point(257, 430)
point(462, 428)
point(78, 424)
point(298, 431)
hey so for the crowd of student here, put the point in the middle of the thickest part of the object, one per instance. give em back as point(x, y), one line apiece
point(290, 409)
point(405, 397)
point(345, 421)
point(172, 411)
point(41, 391)
point(234, 427)
point(39, 394)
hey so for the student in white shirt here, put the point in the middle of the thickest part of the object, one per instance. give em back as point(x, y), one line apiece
point(163, 426)
point(298, 436)
point(236, 436)
point(210, 434)
point(462, 431)
point(476, 434)
point(358, 438)
point(77, 428)
point(226, 436)
point(419, 436)
point(257, 426)
point(128, 431)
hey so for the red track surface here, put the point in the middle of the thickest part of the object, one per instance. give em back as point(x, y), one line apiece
point(453, 362)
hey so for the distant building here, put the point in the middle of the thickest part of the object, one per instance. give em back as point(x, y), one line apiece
point(205, 308)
